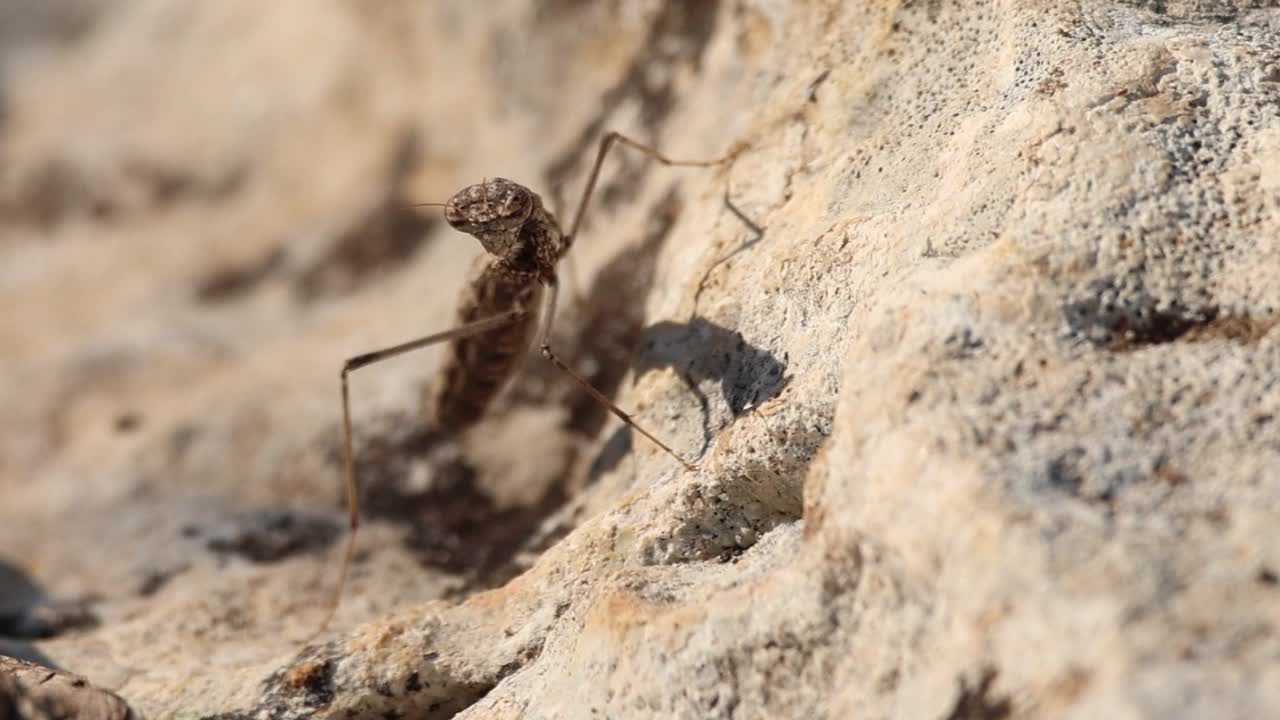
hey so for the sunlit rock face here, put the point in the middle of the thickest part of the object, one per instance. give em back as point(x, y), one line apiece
point(973, 342)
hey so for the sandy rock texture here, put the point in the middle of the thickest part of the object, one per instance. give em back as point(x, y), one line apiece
point(30, 691)
point(974, 342)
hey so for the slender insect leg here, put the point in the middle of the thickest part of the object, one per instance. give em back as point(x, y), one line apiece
point(576, 288)
point(349, 468)
point(544, 347)
point(606, 143)
point(548, 315)
point(575, 282)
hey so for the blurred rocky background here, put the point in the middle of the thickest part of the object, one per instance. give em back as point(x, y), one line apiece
point(975, 343)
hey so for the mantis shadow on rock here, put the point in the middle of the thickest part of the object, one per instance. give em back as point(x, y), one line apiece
point(749, 375)
point(699, 350)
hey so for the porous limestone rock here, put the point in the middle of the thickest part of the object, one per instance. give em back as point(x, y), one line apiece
point(974, 340)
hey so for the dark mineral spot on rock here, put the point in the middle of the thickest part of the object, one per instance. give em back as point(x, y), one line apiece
point(127, 422)
point(1122, 327)
point(309, 675)
point(978, 702)
point(309, 680)
point(1267, 576)
point(1241, 330)
point(64, 187)
point(236, 281)
point(154, 579)
point(265, 536)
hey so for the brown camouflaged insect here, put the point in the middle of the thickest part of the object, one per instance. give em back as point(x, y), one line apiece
point(509, 289)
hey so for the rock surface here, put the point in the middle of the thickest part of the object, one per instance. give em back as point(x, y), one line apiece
point(976, 343)
point(34, 692)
